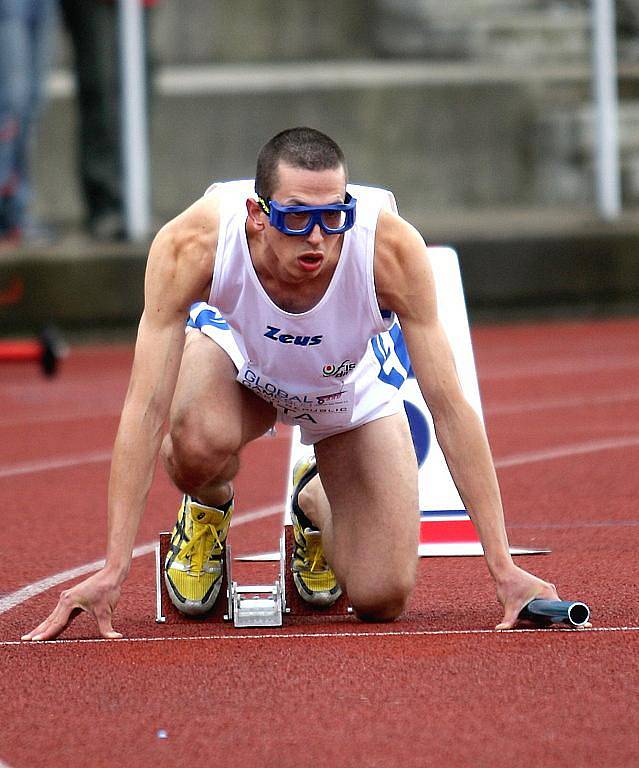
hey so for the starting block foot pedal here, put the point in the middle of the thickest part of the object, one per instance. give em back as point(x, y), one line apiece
point(246, 605)
point(258, 605)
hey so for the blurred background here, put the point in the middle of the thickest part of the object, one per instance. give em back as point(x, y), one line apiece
point(478, 114)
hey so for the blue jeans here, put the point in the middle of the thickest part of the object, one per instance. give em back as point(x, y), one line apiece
point(25, 41)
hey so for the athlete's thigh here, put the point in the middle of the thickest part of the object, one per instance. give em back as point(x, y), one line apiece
point(209, 399)
point(370, 478)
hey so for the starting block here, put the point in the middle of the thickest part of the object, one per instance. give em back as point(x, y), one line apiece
point(255, 605)
point(246, 605)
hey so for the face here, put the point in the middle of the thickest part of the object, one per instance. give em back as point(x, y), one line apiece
point(302, 257)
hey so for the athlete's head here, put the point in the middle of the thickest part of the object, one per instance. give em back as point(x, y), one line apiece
point(300, 169)
point(298, 148)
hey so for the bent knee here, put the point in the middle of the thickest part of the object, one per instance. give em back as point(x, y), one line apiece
point(193, 456)
point(192, 435)
point(385, 604)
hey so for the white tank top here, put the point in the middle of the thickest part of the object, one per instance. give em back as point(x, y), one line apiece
point(319, 367)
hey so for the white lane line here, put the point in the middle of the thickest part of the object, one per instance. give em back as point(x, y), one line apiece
point(593, 524)
point(501, 409)
point(63, 462)
point(283, 635)
point(95, 457)
point(498, 409)
point(53, 418)
point(31, 590)
point(554, 367)
point(563, 451)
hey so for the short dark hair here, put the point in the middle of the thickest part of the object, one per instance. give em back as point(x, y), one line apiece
point(299, 148)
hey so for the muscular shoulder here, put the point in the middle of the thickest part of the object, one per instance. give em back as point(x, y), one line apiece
point(403, 277)
point(186, 245)
point(193, 234)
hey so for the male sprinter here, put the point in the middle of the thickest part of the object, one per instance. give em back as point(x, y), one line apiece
point(297, 279)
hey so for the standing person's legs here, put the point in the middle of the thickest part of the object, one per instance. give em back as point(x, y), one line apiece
point(367, 507)
point(14, 84)
point(92, 26)
point(39, 23)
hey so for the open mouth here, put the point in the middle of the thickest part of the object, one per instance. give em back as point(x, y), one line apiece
point(310, 261)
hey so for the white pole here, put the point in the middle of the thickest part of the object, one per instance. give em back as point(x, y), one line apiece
point(135, 147)
point(606, 108)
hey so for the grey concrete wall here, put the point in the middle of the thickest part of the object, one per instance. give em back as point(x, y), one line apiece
point(208, 31)
point(465, 139)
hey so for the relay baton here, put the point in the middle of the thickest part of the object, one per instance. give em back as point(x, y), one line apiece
point(576, 614)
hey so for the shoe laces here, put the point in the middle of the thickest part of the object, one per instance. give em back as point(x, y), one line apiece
point(205, 542)
point(314, 554)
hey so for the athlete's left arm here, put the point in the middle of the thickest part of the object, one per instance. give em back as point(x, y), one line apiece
point(405, 284)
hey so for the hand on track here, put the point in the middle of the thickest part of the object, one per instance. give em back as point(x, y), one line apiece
point(97, 595)
point(516, 590)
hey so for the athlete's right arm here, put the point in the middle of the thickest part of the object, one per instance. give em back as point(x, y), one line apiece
point(178, 273)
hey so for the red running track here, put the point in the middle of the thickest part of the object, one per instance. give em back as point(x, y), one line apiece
point(438, 687)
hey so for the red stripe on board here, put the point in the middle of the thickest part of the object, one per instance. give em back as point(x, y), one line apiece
point(438, 531)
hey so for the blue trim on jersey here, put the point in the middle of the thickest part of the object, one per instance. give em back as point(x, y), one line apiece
point(419, 431)
point(208, 317)
point(400, 349)
point(394, 377)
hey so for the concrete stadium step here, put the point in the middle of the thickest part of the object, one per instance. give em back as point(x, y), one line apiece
point(484, 30)
point(565, 142)
point(202, 32)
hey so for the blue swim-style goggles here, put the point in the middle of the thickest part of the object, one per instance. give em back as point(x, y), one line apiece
point(301, 219)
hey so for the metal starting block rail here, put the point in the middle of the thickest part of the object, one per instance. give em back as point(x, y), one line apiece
point(256, 605)
point(246, 605)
